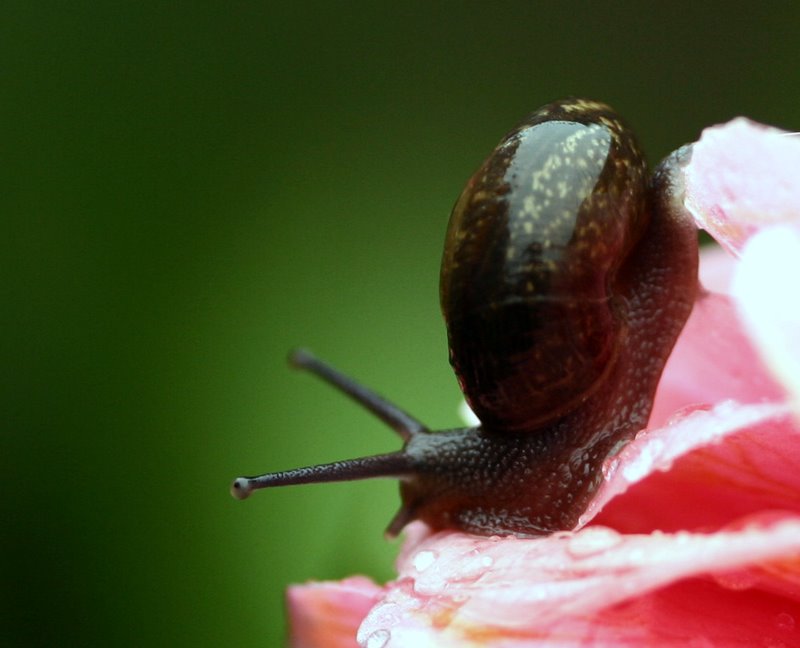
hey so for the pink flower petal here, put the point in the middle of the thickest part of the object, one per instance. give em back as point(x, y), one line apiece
point(766, 292)
point(328, 614)
point(716, 269)
point(704, 471)
point(742, 176)
point(693, 612)
point(458, 590)
point(713, 361)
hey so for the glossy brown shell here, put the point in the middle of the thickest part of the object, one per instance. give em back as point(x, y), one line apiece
point(532, 250)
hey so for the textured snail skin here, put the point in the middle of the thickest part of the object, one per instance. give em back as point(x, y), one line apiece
point(566, 279)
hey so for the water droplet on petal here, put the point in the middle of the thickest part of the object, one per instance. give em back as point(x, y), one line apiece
point(609, 468)
point(378, 639)
point(474, 565)
point(593, 540)
point(423, 560)
point(736, 581)
point(784, 621)
point(645, 463)
point(679, 538)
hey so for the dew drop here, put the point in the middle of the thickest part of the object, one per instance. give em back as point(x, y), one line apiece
point(592, 540)
point(378, 639)
point(679, 538)
point(474, 565)
point(736, 581)
point(645, 463)
point(784, 621)
point(423, 560)
point(609, 468)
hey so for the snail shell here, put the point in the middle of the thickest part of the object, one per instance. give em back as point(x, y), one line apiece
point(528, 280)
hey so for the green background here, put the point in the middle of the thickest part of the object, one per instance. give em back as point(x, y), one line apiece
point(191, 189)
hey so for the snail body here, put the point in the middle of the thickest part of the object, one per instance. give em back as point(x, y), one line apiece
point(566, 278)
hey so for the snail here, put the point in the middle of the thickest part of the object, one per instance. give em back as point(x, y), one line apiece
point(567, 276)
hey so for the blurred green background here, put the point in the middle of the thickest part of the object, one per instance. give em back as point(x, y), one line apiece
point(190, 190)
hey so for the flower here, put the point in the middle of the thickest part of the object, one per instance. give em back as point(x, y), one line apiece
point(694, 536)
